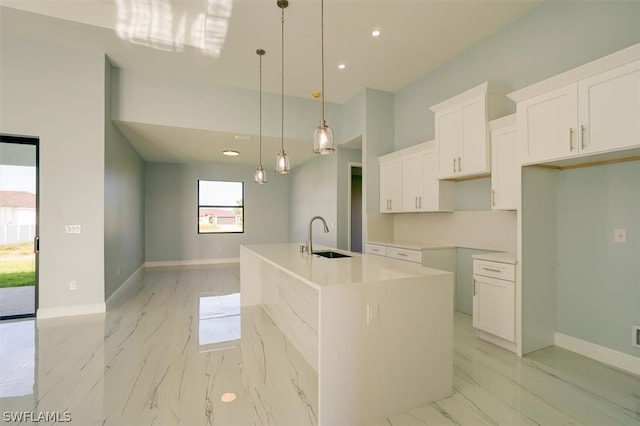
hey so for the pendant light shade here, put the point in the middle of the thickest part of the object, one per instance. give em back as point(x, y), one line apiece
point(323, 136)
point(323, 139)
point(261, 175)
point(283, 164)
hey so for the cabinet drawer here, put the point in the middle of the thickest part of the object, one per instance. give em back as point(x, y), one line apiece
point(405, 254)
point(503, 271)
point(376, 249)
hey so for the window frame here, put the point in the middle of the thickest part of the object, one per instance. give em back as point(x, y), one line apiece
point(220, 206)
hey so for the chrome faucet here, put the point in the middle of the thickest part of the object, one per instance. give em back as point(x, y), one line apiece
point(310, 242)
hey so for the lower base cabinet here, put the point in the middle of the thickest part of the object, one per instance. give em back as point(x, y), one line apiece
point(494, 300)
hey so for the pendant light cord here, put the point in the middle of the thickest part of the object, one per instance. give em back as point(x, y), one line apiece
point(260, 53)
point(282, 86)
point(322, 57)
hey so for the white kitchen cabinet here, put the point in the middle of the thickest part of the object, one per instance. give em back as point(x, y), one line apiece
point(390, 185)
point(377, 249)
point(609, 110)
point(505, 167)
point(494, 301)
point(462, 130)
point(422, 190)
point(409, 183)
point(591, 110)
point(409, 255)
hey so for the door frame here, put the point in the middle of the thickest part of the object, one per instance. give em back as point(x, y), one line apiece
point(35, 141)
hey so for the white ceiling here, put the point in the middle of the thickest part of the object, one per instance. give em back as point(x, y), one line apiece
point(416, 37)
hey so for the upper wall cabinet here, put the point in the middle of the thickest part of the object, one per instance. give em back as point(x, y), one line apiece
point(409, 183)
point(505, 168)
point(584, 114)
point(462, 130)
point(390, 184)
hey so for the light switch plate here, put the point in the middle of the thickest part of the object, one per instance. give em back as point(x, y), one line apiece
point(73, 229)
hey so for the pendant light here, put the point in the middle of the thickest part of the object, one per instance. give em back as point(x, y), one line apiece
point(283, 165)
point(323, 136)
point(261, 175)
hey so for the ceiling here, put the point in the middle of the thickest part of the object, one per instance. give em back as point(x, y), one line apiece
point(216, 40)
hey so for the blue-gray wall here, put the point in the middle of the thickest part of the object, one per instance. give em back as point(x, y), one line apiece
point(123, 202)
point(57, 93)
point(172, 216)
point(313, 192)
point(554, 37)
point(598, 280)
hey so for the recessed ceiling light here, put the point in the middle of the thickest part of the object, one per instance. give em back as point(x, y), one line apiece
point(230, 153)
point(342, 66)
point(375, 33)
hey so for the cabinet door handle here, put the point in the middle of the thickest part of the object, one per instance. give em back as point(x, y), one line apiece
point(391, 204)
point(571, 139)
point(420, 202)
point(416, 203)
point(582, 144)
point(490, 269)
point(493, 197)
point(459, 164)
point(454, 164)
point(403, 254)
point(474, 286)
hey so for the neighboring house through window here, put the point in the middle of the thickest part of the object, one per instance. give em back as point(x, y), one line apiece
point(220, 207)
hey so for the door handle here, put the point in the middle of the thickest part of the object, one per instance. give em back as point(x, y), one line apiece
point(36, 245)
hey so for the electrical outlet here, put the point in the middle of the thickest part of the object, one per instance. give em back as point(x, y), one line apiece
point(373, 314)
point(620, 235)
point(73, 285)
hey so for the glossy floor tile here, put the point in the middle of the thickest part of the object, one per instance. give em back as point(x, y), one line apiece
point(173, 349)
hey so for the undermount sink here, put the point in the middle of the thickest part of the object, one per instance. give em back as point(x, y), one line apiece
point(330, 254)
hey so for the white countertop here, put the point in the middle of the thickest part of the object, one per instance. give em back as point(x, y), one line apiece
point(502, 257)
point(319, 272)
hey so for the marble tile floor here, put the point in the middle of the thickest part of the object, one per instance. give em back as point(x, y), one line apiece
point(174, 348)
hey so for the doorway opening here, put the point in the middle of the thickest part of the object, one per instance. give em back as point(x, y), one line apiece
point(19, 242)
point(355, 208)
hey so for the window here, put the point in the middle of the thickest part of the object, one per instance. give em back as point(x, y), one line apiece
point(220, 207)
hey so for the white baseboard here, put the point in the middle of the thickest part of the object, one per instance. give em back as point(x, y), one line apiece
point(599, 353)
point(193, 262)
point(510, 346)
point(133, 278)
point(71, 310)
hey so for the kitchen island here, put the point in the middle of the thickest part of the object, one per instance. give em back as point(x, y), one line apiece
point(376, 332)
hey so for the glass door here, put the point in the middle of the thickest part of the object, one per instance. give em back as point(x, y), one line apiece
point(18, 226)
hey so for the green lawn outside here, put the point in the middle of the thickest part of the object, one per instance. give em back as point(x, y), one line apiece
point(17, 265)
